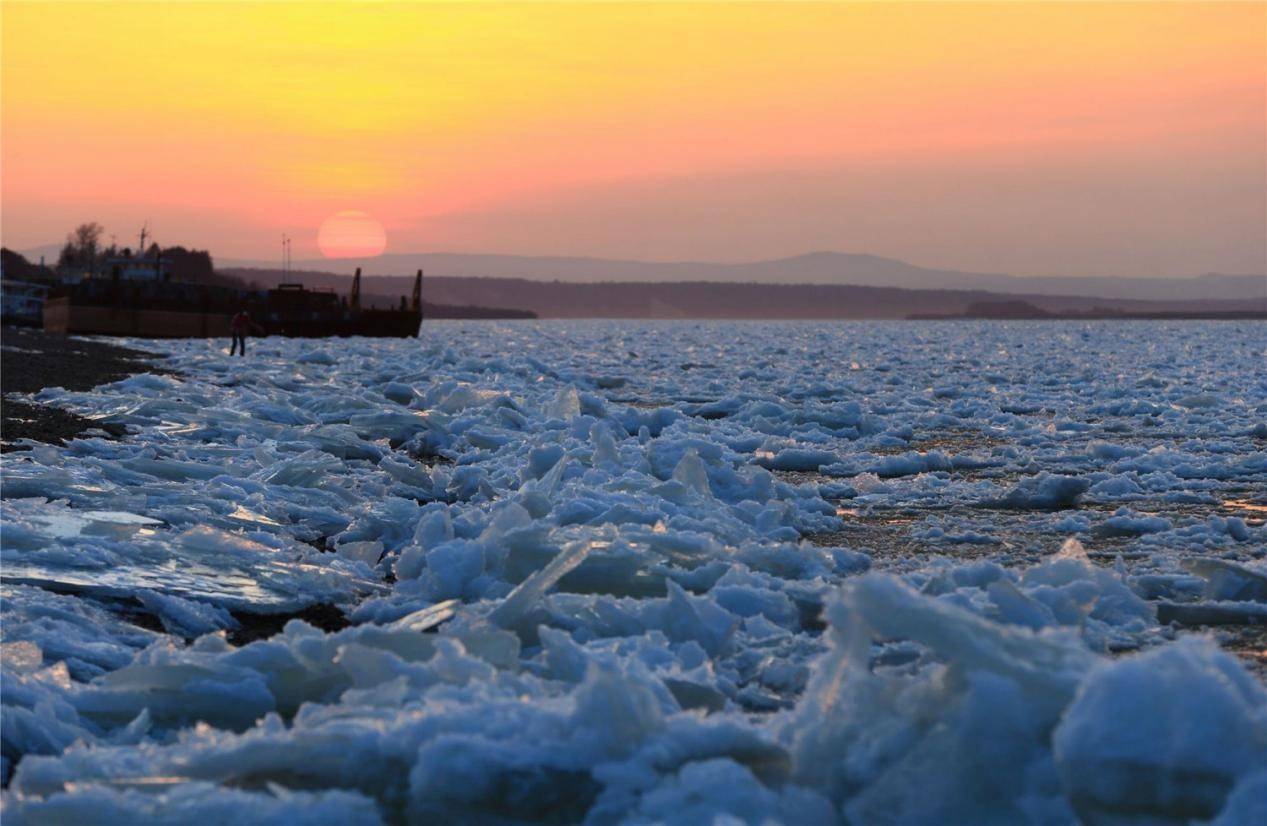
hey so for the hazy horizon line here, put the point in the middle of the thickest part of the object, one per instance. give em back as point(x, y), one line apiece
point(266, 264)
point(932, 268)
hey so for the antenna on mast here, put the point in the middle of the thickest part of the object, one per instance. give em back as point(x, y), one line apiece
point(140, 249)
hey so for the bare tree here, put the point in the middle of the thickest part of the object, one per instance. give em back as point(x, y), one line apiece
point(82, 246)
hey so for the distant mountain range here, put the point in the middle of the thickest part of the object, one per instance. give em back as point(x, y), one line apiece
point(821, 268)
point(836, 268)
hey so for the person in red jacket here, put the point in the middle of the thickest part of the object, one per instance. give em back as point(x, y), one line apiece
point(239, 326)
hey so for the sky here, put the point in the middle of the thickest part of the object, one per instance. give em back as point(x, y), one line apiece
point(1025, 137)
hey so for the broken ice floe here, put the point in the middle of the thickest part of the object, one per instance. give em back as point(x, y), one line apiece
point(589, 585)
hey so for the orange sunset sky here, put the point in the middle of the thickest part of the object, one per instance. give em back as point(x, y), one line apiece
point(1035, 138)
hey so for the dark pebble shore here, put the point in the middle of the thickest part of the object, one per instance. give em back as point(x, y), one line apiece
point(31, 360)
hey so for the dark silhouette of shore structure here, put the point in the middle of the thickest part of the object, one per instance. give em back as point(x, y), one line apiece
point(158, 308)
point(176, 293)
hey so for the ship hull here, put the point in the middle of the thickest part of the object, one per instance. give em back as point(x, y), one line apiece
point(65, 316)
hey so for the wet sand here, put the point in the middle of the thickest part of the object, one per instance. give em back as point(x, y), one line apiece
point(31, 360)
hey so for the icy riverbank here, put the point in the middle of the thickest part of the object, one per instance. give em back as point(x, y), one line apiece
point(857, 573)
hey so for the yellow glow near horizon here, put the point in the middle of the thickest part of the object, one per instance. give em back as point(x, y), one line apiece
point(273, 115)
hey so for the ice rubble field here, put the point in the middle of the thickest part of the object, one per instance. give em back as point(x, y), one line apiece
point(641, 572)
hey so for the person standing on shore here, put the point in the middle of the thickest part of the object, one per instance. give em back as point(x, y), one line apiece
point(239, 326)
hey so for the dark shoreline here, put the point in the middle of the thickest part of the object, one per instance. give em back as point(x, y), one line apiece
point(1018, 310)
point(32, 360)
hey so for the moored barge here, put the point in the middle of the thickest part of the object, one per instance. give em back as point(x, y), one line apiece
point(137, 299)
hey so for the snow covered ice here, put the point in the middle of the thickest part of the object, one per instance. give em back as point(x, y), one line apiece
point(651, 573)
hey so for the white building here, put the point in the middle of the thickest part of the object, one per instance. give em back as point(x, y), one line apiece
point(135, 267)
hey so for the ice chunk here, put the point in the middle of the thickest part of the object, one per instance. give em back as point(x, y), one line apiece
point(168, 800)
point(709, 791)
point(1247, 803)
point(1212, 612)
point(798, 459)
point(1046, 491)
point(1126, 522)
point(428, 618)
point(1047, 668)
point(1129, 747)
point(514, 610)
point(185, 617)
point(1226, 580)
point(692, 473)
point(566, 405)
point(66, 629)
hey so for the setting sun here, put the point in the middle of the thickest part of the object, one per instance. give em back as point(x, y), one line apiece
point(351, 234)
